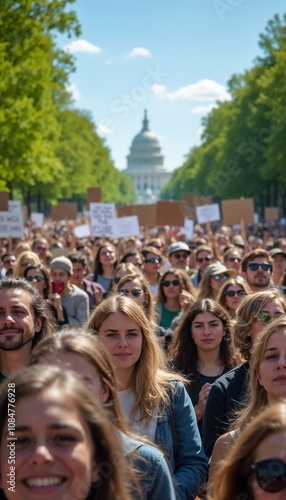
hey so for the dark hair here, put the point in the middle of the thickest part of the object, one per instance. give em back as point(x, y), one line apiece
point(78, 258)
point(254, 254)
point(183, 278)
point(97, 268)
point(131, 253)
point(184, 350)
point(46, 273)
point(39, 305)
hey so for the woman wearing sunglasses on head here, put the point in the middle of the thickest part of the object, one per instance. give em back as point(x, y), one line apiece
point(255, 467)
point(122, 270)
point(39, 276)
point(174, 295)
point(203, 350)
point(231, 294)
point(232, 258)
point(267, 383)
point(215, 275)
point(154, 400)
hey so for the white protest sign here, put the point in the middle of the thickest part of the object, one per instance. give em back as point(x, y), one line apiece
point(127, 226)
point(188, 229)
point(37, 218)
point(102, 219)
point(14, 206)
point(256, 218)
point(208, 213)
point(82, 231)
point(11, 225)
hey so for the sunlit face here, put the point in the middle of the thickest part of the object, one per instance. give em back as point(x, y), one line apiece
point(272, 370)
point(107, 256)
point(54, 449)
point(273, 446)
point(136, 260)
point(207, 331)
point(61, 276)
point(133, 288)
point(273, 307)
point(123, 340)
point(233, 260)
point(203, 260)
point(232, 303)
point(77, 362)
point(217, 284)
point(78, 273)
point(152, 267)
point(279, 263)
point(179, 259)
point(39, 285)
point(259, 279)
point(171, 290)
point(17, 321)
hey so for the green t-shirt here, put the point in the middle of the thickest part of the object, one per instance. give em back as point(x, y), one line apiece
point(168, 316)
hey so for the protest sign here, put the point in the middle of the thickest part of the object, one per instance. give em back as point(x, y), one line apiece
point(127, 226)
point(235, 211)
point(37, 218)
point(11, 225)
point(170, 213)
point(14, 206)
point(208, 213)
point(82, 231)
point(102, 219)
point(271, 214)
point(188, 229)
point(4, 198)
point(64, 211)
point(146, 214)
point(93, 195)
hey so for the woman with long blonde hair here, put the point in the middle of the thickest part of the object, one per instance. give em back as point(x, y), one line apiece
point(154, 400)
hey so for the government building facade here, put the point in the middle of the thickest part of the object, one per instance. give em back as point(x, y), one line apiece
point(145, 165)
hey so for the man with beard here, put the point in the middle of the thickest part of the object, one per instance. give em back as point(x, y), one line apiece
point(257, 269)
point(24, 320)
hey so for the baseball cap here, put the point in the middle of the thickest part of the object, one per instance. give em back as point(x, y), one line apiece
point(177, 246)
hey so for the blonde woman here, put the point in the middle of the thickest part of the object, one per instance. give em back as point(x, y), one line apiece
point(25, 259)
point(154, 400)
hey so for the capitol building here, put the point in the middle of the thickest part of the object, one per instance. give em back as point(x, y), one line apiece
point(145, 165)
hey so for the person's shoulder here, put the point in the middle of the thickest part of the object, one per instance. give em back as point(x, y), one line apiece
point(228, 377)
point(78, 291)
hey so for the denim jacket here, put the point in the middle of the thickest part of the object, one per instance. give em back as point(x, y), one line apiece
point(190, 466)
point(155, 476)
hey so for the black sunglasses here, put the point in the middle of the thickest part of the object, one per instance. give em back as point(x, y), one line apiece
point(169, 282)
point(181, 255)
point(204, 259)
point(136, 292)
point(253, 266)
point(270, 475)
point(37, 278)
point(154, 259)
point(232, 293)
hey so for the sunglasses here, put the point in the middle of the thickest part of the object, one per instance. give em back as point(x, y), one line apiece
point(234, 259)
point(169, 282)
point(37, 278)
point(270, 475)
point(180, 255)
point(254, 266)
point(232, 293)
point(41, 248)
point(265, 317)
point(116, 280)
point(204, 259)
point(154, 259)
point(135, 292)
point(218, 277)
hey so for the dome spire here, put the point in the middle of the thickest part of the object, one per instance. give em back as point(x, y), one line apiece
point(145, 122)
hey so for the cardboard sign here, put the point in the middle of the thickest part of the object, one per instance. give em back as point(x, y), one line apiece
point(82, 231)
point(64, 211)
point(271, 214)
point(93, 195)
point(192, 201)
point(11, 225)
point(235, 211)
point(102, 219)
point(146, 214)
point(208, 213)
point(125, 211)
point(57, 252)
point(188, 229)
point(127, 226)
point(38, 219)
point(170, 213)
point(4, 199)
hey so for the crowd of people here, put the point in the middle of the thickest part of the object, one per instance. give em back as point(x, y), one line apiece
point(143, 368)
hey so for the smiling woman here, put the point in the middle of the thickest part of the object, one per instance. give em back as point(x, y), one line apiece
point(62, 439)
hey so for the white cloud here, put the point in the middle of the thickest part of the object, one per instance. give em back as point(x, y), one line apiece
point(139, 52)
point(203, 110)
point(203, 90)
point(82, 46)
point(103, 129)
point(159, 90)
point(73, 90)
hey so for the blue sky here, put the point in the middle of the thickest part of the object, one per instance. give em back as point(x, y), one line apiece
point(173, 58)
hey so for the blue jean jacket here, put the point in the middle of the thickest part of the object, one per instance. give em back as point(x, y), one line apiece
point(190, 467)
